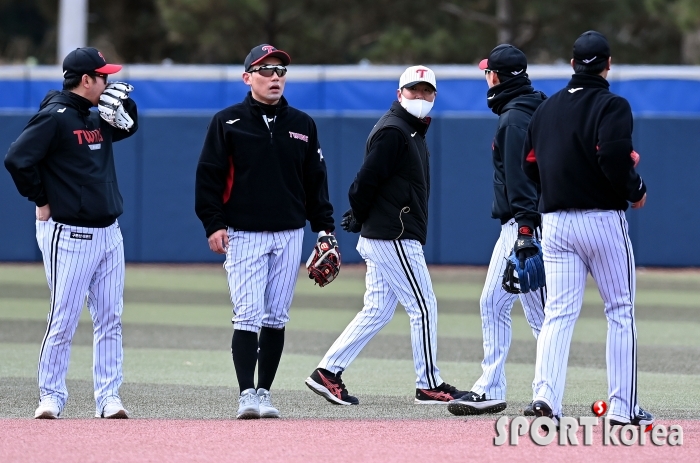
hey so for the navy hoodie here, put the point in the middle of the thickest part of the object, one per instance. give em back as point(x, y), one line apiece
point(64, 158)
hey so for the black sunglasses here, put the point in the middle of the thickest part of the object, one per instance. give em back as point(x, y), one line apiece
point(104, 76)
point(267, 71)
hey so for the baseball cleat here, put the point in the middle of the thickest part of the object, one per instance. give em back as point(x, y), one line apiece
point(330, 387)
point(48, 409)
point(248, 405)
point(474, 404)
point(113, 409)
point(438, 395)
point(528, 411)
point(642, 418)
point(267, 410)
point(541, 408)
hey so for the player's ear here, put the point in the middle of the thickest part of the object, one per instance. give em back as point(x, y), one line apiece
point(247, 76)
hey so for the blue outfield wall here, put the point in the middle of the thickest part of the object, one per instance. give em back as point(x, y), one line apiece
point(156, 170)
point(649, 89)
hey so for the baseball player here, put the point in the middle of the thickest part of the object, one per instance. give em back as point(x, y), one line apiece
point(512, 98)
point(579, 149)
point(63, 163)
point(261, 176)
point(389, 206)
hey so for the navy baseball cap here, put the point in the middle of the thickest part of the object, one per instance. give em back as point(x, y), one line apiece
point(591, 48)
point(505, 59)
point(263, 51)
point(87, 60)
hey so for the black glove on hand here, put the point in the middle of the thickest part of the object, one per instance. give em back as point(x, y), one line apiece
point(349, 224)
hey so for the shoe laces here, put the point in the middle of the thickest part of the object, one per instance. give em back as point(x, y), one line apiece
point(248, 398)
point(446, 388)
point(265, 398)
point(340, 382)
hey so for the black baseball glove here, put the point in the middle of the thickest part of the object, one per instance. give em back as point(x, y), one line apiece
point(349, 223)
point(324, 262)
point(525, 268)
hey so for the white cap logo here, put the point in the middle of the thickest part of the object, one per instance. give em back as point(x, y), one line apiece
point(417, 74)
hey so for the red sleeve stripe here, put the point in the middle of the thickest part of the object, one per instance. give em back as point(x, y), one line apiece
point(531, 156)
point(229, 181)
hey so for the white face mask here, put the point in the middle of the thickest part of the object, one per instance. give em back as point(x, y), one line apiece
point(418, 108)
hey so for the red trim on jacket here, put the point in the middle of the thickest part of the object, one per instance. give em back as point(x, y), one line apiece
point(531, 156)
point(229, 181)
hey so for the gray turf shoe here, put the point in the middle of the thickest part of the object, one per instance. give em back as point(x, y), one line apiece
point(48, 409)
point(248, 405)
point(267, 410)
point(113, 409)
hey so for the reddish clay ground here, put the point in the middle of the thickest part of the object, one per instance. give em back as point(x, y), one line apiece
point(69, 440)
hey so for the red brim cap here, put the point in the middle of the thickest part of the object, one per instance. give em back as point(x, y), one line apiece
point(484, 64)
point(109, 69)
point(275, 54)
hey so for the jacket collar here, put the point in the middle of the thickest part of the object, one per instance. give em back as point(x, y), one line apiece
point(420, 125)
point(587, 80)
point(255, 105)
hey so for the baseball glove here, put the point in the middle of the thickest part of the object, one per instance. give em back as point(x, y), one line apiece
point(525, 268)
point(324, 262)
point(111, 105)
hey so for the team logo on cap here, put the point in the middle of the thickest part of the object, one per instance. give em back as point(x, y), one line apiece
point(421, 72)
point(268, 48)
point(103, 58)
point(589, 60)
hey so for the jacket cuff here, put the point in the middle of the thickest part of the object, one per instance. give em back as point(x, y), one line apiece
point(41, 201)
point(639, 194)
point(214, 227)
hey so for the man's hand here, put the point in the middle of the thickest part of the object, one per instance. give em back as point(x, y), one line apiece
point(43, 213)
point(640, 204)
point(218, 241)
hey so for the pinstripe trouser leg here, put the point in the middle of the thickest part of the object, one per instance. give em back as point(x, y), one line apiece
point(574, 243)
point(106, 304)
point(396, 271)
point(496, 305)
point(262, 269)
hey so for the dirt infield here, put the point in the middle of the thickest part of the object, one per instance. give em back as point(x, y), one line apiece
point(304, 441)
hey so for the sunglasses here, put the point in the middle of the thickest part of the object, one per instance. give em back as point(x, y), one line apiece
point(104, 76)
point(267, 71)
point(488, 71)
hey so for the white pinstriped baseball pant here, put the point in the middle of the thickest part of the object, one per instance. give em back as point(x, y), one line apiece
point(82, 261)
point(574, 243)
point(262, 269)
point(496, 305)
point(396, 272)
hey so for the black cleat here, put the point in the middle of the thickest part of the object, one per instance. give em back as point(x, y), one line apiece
point(643, 418)
point(474, 404)
point(528, 411)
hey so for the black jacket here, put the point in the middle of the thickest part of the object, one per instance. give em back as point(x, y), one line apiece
point(515, 195)
point(579, 146)
point(258, 178)
point(64, 158)
point(389, 195)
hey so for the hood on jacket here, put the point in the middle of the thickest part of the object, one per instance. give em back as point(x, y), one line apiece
point(527, 102)
point(68, 98)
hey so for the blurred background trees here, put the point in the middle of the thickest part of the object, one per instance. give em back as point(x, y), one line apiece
point(347, 32)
